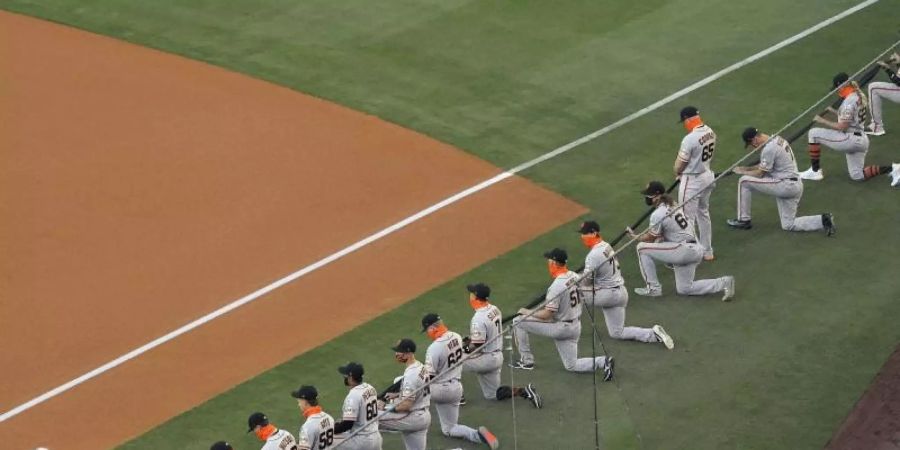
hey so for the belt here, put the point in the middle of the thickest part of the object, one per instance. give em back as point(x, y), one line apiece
point(692, 241)
point(789, 179)
point(567, 321)
point(857, 133)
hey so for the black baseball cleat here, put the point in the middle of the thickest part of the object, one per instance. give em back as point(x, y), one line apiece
point(828, 222)
point(739, 224)
point(608, 368)
point(533, 396)
point(521, 365)
point(462, 400)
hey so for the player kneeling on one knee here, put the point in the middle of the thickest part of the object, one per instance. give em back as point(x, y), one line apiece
point(601, 285)
point(484, 345)
point(846, 136)
point(559, 319)
point(671, 240)
point(444, 363)
point(407, 411)
point(884, 90)
point(359, 412)
point(775, 175)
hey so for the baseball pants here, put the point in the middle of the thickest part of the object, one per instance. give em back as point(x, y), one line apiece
point(852, 146)
point(787, 195)
point(685, 257)
point(564, 334)
point(412, 425)
point(487, 367)
point(614, 301)
point(693, 194)
point(362, 441)
point(878, 91)
point(445, 397)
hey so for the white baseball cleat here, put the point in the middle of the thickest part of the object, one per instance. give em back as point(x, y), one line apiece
point(729, 288)
point(664, 337)
point(875, 130)
point(813, 175)
point(648, 292)
point(895, 174)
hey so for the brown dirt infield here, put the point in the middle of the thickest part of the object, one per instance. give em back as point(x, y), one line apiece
point(141, 190)
point(874, 423)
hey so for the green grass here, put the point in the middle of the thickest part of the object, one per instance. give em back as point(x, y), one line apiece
point(778, 368)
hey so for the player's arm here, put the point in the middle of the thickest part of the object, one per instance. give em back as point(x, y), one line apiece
point(476, 340)
point(840, 125)
point(680, 163)
point(542, 314)
point(350, 413)
point(647, 236)
point(391, 391)
point(753, 171)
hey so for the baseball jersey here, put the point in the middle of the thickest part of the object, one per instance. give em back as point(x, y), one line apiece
point(361, 406)
point(280, 440)
point(485, 327)
point(317, 433)
point(414, 377)
point(443, 357)
point(563, 300)
point(601, 270)
point(697, 150)
point(674, 228)
point(853, 113)
point(777, 159)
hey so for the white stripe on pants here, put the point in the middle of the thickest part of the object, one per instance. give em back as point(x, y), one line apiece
point(685, 257)
point(787, 195)
point(878, 91)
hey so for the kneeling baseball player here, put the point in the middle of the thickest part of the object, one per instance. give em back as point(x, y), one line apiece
point(883, 90)
point(359, 412)
point(443, 361)
point(670, 239)
point(559, 319)
point(408, 411)
point(317, 433)
point(602, 286)
point(775, 175)
point(486, 343)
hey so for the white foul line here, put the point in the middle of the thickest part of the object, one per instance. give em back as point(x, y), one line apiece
point(423, 213)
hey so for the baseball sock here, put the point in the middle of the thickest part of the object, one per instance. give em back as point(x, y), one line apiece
point(874, 171)
point(814, 153)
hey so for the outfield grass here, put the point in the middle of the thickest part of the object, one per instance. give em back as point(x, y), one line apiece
point(778, 368)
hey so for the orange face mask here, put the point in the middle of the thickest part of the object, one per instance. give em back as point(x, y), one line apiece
point(475, 303)
point(312, 410)
point(556, 270)
point(845, 91)
point(693, 122)
point(263, 433)
point(590, 241)
point(437, 331)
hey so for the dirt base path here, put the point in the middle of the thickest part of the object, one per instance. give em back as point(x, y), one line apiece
point(140, 191)
point(874, 423)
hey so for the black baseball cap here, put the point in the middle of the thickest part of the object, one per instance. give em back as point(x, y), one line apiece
point(257, 419)
point(221, 445)
point(480, 290)
point(748, 135)
point(557, 254)
point(589, 227)
point(306, 392)
point(352, 369)
point(404, 345)
point(688, 112)
point(839, 79)
point(429, 320)
point(654, 188)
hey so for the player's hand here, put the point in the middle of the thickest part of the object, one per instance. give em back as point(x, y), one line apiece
point(391, 395)
point(740, 170)
point(630, 232)
point(831, 110)
point(524, 311)
point(884, 64)
point(819, 119)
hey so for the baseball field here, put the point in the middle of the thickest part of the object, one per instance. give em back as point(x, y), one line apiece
point(206, 204)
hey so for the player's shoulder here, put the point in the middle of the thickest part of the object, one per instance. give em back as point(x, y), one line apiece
point(659, 213)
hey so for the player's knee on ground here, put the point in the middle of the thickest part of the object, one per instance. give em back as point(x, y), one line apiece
point(616, 333)
point(857, 175)
point(684, 289)
point(504, 392)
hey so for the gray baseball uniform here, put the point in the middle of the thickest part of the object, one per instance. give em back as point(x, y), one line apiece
point(317, 433)
point(678, 247)
point(486, 328)
point(852, 142)
point(698, 180)
point(361, 406)
point(280, 440)
point(443, 362)
point(781, 181)
point(414, 423)
point(882, 90)
point(603, 287)
point(564, 329)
